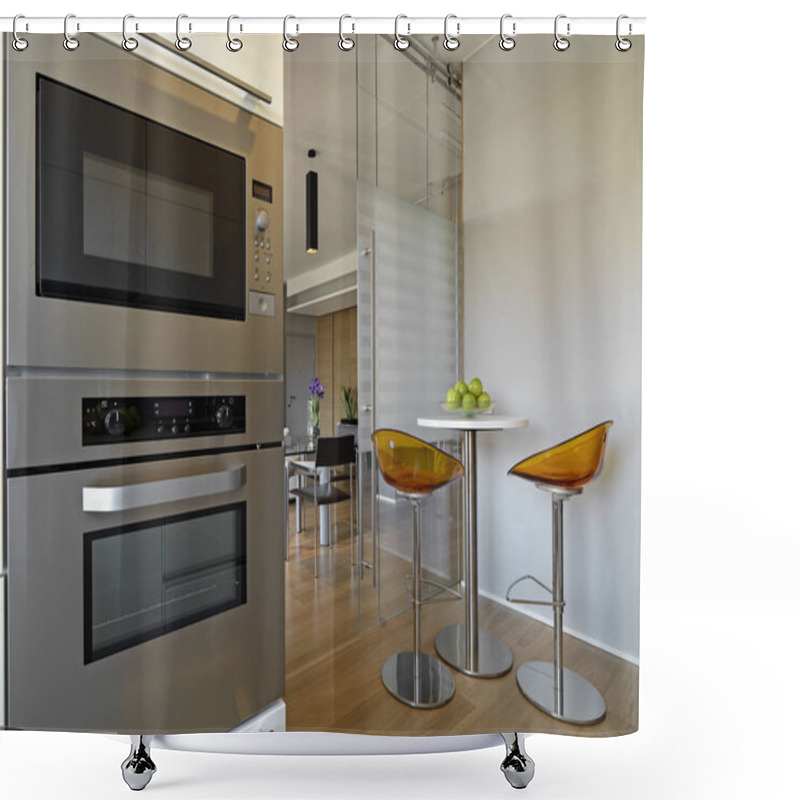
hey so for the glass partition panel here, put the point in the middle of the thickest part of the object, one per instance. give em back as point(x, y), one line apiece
point(409, 302)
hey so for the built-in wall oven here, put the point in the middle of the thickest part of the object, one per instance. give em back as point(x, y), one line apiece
point(144, 217)
point(144, 553)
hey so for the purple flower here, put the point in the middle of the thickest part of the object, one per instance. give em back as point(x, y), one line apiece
point(317, 389)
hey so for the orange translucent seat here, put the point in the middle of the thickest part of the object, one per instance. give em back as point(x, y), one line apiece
point(411, 465)
point(569, 465)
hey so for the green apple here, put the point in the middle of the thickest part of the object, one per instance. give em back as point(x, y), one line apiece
point(476, 387)
point(469, 403)
point(453, 398)
point(484, 401)
point(461, 388)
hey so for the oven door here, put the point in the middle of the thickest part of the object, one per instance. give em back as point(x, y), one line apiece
point(146, 597)
point(131, 212)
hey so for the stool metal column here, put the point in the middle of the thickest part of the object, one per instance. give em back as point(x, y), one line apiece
point(563, 471)
point(415, 469)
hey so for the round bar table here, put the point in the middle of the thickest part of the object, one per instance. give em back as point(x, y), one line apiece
point(465, 647)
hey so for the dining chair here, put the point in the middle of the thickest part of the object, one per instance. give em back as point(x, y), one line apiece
point(332, 451)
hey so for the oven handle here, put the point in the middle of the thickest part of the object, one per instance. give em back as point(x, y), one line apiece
point(111, 499)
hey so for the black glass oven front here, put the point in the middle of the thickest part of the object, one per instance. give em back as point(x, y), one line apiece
point(144, 580)
point(131, 212)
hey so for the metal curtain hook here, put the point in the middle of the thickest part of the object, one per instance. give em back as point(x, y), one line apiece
point(560, 42)
point(345, 43)
point(233, 44)
point(182, 42)
point(70, 42)
point(400, 42)
point(451, 42)
point(290, 43)
point(129, 43)
point(18, 43)
point(507, 42)
point(623, 45)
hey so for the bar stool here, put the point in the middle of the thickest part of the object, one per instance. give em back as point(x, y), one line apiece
point(415, 469)
point(562, 470)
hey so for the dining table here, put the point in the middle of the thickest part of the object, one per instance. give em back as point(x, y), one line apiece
point(468, 648)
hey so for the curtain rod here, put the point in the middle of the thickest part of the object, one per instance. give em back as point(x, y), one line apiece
point(297, 26)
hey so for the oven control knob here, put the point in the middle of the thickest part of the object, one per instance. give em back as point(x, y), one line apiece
point(224, 416)
point(262, 221)
point(116, 422)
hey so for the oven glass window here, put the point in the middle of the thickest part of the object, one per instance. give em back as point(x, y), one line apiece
point(143, 581)
point(150, 220)
point(132, 212)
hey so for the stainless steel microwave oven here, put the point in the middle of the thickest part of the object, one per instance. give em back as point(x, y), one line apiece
point(144, 218)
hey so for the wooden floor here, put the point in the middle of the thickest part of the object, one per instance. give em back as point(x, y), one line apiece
point(333, 678)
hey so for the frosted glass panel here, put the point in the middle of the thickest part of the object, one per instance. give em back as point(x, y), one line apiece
point(415, 301)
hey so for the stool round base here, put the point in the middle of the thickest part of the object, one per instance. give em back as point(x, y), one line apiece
point(583, 704)
point(495, 658)
point(436, 683)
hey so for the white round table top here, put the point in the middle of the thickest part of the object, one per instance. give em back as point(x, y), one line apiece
point(480, 422)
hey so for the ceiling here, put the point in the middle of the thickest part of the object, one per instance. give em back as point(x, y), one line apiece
point(320, 106)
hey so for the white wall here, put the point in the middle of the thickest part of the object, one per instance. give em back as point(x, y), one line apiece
point(552, 309)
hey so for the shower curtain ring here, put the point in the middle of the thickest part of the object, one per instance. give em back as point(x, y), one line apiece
point(70, 42)
point(507, 42)
point(345, 43)
point(623, 45)
point(233, 44)
point(560, 43)
point(18, 43)
point(129, 43)
point(290, 43)
point(182, 42)
point(400, 42)
point(451, 42)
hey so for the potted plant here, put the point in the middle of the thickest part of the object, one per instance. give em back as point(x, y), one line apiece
point(350, 399)
point(349, 424)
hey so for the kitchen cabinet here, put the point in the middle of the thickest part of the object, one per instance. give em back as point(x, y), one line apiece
point(258, 64)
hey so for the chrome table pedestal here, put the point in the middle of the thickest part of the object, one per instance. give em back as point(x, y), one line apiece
point(466, 648)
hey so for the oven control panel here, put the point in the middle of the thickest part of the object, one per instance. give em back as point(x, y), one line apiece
point(140, 419)
point(262, 241)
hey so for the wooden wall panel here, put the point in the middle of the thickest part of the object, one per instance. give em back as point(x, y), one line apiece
point(325, 372)
point(337, 363)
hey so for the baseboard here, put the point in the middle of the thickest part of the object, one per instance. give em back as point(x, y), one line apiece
point(269, 719)
point(543, 618)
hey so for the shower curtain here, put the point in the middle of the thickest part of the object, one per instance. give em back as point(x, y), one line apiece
point(472, 230)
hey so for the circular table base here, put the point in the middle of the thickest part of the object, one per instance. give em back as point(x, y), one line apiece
point(494, 655)
point(436, 683)
point(583, 704)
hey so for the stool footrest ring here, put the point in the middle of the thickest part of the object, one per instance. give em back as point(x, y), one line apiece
point(432, 596)
point(524, 600)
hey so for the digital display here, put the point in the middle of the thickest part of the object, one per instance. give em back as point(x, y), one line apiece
point(262, 191)
point(173, 407)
